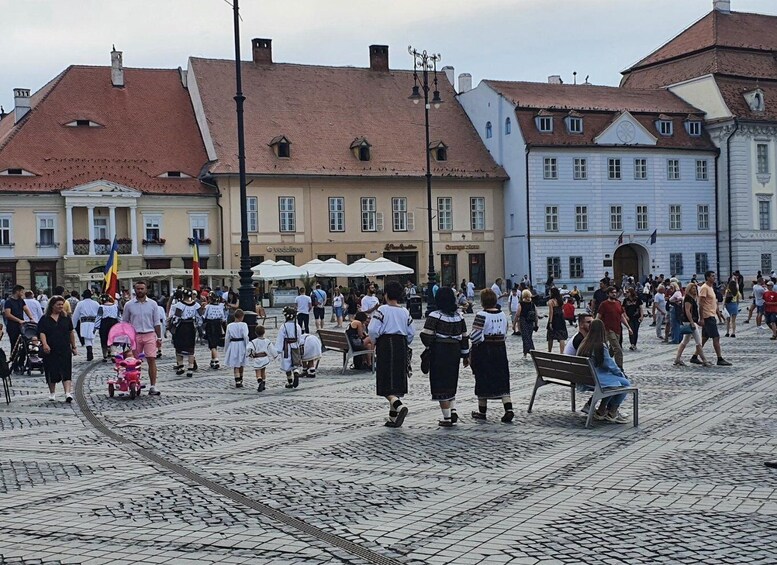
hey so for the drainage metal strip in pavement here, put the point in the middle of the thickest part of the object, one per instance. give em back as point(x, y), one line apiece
point(268, 511)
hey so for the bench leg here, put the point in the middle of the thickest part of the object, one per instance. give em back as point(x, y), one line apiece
point(345, 362)
point(635, 414)
point(537, 384)
point(574, 408)
point(594, 401)
point(7, 391)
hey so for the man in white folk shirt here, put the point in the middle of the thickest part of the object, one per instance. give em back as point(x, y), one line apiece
point(86, 313)
point(304, 305)
point(500, 295)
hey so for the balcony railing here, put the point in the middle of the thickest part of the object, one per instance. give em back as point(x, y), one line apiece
point(81, 247)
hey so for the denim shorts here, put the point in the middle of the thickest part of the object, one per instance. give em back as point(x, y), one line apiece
point(338, 311)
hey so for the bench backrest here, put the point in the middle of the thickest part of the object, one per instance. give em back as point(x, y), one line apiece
point(567, 368)
point(333, 339)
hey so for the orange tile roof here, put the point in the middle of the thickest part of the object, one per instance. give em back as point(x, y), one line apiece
point(542, 95)
point(737, 30)
point(733, 90)
point(322, 110)
point(149, 128)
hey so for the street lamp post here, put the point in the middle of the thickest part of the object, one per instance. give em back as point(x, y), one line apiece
point(426, 62)
point(246, 292)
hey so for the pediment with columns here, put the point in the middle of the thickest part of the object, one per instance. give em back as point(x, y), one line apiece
point(101, 190)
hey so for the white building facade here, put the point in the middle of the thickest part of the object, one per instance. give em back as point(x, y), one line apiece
point(599, 182)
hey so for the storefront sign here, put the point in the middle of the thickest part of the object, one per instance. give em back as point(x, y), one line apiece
point(462, 247)
point(400, 247)
point(284, 250)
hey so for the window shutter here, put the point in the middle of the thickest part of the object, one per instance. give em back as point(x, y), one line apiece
point(410, 221)
point(378, 221)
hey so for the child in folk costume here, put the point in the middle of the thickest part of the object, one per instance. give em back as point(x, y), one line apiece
point(85, 313)
point(107, 317)
point(260, 352)
point(489, 357)
point(235, 346)
point(214, 316)
point(311, 352)
point(391, 330)
point(288, 344)
point(185, 320)
point(445, 334)
point(162, 317)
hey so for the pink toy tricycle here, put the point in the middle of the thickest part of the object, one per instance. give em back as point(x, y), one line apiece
point(126, 365)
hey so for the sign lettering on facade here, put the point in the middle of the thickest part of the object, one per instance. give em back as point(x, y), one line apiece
point(462, 247)
point(284, 250)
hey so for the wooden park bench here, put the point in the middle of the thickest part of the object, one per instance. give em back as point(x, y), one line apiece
point(338, 341)
point(265, 318)
point(570, 371)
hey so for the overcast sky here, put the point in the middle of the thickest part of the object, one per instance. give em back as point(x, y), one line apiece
point(496, 39)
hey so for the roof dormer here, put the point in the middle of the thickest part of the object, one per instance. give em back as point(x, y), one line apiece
point(665, 125)
point(438, 151)
point(14, 172)
point(693, 126)
point(82, 123)
point(755, 100)
point(282, 146)
point(544, 121)
point(361, 148)
point(174, 175)
point(574, 122)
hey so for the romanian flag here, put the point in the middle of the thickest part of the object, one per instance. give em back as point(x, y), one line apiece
point(196, 265)
point(111, 273)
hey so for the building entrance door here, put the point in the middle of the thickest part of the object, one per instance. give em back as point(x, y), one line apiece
point(630, 260)
point(449, 272)
point(477, 269)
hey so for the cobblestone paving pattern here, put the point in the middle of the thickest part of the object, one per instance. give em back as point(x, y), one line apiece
point(686, 487)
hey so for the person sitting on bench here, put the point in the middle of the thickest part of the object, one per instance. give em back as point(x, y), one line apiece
point(360, 341)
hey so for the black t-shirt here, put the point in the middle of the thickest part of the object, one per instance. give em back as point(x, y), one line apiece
point(16, 306)
point(694, 310)
point(632, 309)
point(57, 332)
point(600, 296)
point(577, 340)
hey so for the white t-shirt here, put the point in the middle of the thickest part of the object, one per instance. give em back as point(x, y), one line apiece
point(498, 292)
point(758, 294)
point(513, 301)
point(660, 301)
point(470, 289)
point(369, 302)
point(303, 303)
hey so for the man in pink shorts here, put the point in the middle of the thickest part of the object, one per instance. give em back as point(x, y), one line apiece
point(143, 314)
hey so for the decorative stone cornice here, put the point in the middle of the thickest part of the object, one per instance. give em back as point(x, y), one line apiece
point(756, 236)
point(757, 130)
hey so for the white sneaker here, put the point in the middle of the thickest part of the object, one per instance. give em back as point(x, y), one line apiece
point(53, 397)
point(618, 418)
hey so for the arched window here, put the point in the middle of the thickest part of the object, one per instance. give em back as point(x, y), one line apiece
point(489, 131)
point(508, 126)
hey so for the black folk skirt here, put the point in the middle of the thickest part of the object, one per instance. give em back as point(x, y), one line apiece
point(105, 326)
point(492, 372)
point(214, 334)
point(184, 337)
point(393, 357)
point(444, 369)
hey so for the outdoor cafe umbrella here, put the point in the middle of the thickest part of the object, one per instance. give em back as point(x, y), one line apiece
point(281, 270)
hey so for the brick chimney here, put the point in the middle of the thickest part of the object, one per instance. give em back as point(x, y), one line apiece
point(117, 68)
point(21, 102)
point(262, 50)
point(379, 58)
point(722, 6)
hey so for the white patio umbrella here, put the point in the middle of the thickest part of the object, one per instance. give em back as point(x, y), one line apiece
point(383, 266)
point(281, 270)
point(265, 264)
point(361, 268)
point(311, 267)
point(334, 268)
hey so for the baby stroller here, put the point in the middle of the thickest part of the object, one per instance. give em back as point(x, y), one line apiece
point(122, 342)
point(19, 353)
point(34, 360)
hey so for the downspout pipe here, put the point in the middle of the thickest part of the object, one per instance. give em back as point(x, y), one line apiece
point(528, 216)
point(728, 196)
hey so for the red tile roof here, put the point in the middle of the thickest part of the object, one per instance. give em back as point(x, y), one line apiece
point(733, 89)
point(734, 30)
point(542, 95)
point(149, 128)
point(322, 110)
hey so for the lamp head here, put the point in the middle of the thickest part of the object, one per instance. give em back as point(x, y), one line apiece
point(416, 95)
point(436, 100)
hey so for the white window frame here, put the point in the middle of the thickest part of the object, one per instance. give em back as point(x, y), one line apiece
point(336, 214)
point(676, 266)
point(764, 219)
point(369, 208)
point(673, 169)
point(694, 128)
point(614, 171)
point(616, 218)
point(51, 221)
point(198, 222)
point(576, 267)
point(581, 217)
point(399, 213)
point(101, 228)
point(702, 170)
point(152, 222)
point(762, 158)
point(551, 218)
point(640, 169)
point(703, 217)
point(702, 262)
point(545, 124)
point(665, 128)
point(287, 214)
point(642, 217)
point(675, 217)
point(444, 213)
point(6, 230)
point(580, 169)
point(553, 265)
point(477, 213)
point(575, 125)
point(550, 168)
point(252, 213)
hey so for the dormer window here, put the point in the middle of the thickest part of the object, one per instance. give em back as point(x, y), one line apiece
point(756, 101)
point(361, 149)
point(16, 173)
point(82, 123)
point(281, 146)
point(438, 150)
point(574, 122)
point(489, 130)
point(693, 127)
point(664, 125)
point(174, 175)
point(544, 122)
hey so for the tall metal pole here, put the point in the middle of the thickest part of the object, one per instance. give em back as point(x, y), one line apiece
point(246, 292)
point(432, 275)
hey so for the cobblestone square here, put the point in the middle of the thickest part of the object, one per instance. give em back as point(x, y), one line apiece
point(209, 473)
